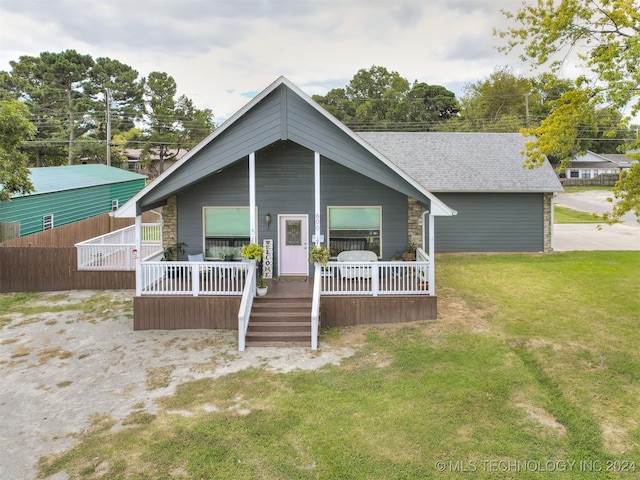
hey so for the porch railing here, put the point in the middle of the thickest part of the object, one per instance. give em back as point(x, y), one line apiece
point(117, 250)
point(193, 278)
point(246, 304)
point(377, 278)
point(315, 306)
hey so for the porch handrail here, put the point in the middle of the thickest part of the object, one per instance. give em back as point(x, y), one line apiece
point(117, 250)
point(246, 304)
point(376, 278)
point(315, 305)
point(193, 278)
point(151, 233)
point(428, 274)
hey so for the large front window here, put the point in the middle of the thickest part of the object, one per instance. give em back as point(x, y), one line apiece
point(355, 228)
point(226, 229)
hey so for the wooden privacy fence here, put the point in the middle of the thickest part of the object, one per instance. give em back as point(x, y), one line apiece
point(41, 269)
point(602, 180)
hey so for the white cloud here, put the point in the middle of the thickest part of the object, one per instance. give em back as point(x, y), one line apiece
point(219, 50)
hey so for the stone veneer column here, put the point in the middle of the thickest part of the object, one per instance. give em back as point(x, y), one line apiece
point(170, 223)
point(546, 209)
point(414, 234)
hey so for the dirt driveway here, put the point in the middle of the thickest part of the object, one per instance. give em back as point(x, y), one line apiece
point(73, 355)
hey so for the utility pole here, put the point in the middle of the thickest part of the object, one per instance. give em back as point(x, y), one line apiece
point(108, 102)
point(526, 105)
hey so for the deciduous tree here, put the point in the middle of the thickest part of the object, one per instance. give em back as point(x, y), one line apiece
point(604, 37)
point(14, 129)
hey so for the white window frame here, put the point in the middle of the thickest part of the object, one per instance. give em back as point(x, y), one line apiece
point(380, 234)
point(236, 251)
point(114, 205)
point(47, 221)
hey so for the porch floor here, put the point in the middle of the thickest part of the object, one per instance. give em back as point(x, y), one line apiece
point(294, 287)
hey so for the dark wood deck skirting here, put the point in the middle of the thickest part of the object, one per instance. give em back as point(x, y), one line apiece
point(177, 312)
point(342, 311)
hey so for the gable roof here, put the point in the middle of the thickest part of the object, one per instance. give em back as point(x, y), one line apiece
point(464, 162)
point(280, 112)
point(71, 177)
point(601, 160)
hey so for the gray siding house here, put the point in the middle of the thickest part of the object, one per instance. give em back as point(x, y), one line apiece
point(284, 173)
point(502, 206)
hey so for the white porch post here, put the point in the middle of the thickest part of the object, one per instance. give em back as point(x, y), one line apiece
point(138, 256)
point(432, 260)
point(316, 168)
point(252, 197)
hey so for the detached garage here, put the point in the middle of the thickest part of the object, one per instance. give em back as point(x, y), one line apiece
point(502, 206)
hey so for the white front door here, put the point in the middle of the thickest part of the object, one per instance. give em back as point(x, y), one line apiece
point(293, 234)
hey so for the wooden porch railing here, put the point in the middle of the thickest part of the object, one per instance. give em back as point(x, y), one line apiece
point(116, 250)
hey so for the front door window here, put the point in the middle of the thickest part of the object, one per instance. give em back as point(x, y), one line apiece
point(294, 232)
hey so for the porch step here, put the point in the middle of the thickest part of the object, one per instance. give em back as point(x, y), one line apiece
point(278, 322)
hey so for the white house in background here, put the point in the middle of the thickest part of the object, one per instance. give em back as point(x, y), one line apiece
point(591, 165)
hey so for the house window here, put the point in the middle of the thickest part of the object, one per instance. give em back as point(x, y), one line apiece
point(574, 174)
point(226, 229)
point(355, 228)
point(114, 205)
point(47, 221)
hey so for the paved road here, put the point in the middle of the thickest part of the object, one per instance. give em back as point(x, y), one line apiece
point(591, 236)
point(592, 201)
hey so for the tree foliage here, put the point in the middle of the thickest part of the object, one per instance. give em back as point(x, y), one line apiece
point(117, 95)
point(80, 105)
point(604, 36)
point(173, 123)
point(14, 129)
point(376, 98)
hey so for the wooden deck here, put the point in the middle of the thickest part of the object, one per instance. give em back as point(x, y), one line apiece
point(187, 312)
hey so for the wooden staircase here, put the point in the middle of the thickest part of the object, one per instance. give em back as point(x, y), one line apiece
point(279, 321)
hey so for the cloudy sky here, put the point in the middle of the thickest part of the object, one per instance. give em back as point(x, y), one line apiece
point(221, 53)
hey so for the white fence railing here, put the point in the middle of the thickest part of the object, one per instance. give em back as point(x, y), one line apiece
point(315, 307)
point(376, 278)
point(193, 278)
point(246, 304)
point(116, 250)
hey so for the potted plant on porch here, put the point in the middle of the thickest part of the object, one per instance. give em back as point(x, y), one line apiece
point(319, 254)
point(170, 253)
point(261, 289)
point(253, 251)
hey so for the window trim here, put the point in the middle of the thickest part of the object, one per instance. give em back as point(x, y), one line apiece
point(380, 229)
point(47, 221)
point(204, 229)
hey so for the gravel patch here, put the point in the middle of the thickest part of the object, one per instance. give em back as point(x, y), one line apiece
point(63, 368)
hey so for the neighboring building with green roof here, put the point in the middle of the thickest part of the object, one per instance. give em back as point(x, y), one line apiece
point(68, 194)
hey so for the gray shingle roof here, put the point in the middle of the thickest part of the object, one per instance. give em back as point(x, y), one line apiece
point(464, 162)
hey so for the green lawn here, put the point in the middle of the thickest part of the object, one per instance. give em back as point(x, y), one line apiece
point(532, 370)
point(569, 215)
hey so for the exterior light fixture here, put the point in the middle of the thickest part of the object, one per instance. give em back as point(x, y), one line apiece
point(267, 219)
